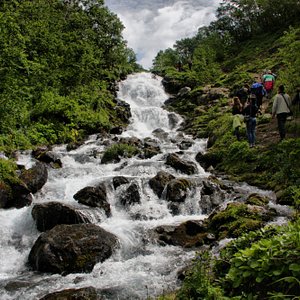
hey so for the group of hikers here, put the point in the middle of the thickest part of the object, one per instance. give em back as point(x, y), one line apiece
point(247, 104)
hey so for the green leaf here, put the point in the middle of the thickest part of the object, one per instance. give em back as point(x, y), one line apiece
point(294, 267)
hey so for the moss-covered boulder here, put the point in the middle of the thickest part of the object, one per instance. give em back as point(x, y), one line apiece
point(256, 199)
point(238, 218)
point(188, 234)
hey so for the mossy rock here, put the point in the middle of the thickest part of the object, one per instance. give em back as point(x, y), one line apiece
point(238, 218)
point(255, 199)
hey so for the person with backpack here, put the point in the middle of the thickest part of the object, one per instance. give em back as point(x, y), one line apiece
point(258, 90)
point(243, 93)
point(237, 108)
point(268, 80)
point(281, 109)
point(250, 111)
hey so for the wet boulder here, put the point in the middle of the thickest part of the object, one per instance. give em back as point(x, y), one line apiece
point(94, 197)
point(181, 165)
point(185, 144)
point(149, 149)
point(131, 195)
point(123, 111)
point(211, 196)
point(173, 120)
point(48, 157)
point(160, 134)
point(35, 177)
point(159, 182)
point(16, 195)
point(188, 234)
point(119, 180)
point(71, 249)
point(87, 293)
point(177, 190)
point(48, 215)
point(207, 160)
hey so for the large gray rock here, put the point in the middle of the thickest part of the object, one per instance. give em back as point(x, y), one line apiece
point(131, 195)
point(35, 177)
point(181, 165)
point(17, 195)
point(94, 197)
point(48, 215)
point(159, 182)
point(119, 180)
point(44, 155)
point(71, 249)
point(177, 190)
point(188, 234)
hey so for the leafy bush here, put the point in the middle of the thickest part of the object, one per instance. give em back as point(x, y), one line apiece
point(269, 267)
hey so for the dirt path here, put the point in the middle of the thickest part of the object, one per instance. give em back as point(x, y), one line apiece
point(267, 134)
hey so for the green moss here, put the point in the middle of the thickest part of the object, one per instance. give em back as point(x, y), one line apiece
point(256, 199)
point(8, 174)
point(117, 151)
point(235, 220)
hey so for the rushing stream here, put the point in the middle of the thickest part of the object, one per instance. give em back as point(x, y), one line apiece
point(139, 268)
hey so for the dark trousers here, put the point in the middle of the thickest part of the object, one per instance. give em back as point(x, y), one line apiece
point(281, 120)
point(251, 127)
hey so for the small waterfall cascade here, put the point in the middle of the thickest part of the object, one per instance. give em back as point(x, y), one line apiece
point(140, 268)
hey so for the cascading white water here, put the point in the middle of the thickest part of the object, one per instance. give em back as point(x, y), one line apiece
point(140, 268)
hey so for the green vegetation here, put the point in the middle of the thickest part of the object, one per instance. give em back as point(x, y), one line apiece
point(115, 152)
point(248, 37)
point(59, 61)
point(259, 265)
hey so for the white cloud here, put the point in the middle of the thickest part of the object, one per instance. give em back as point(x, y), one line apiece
point(150, 28)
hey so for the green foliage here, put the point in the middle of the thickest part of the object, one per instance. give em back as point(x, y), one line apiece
point(262, 264)
point(199, 282)
point(269, 266)
point(290, 47)
point(8, 170)
point(59, 61)
point(117, 151)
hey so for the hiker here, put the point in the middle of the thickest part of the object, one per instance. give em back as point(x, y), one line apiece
point(258, 90)
point(250, 112)
point(243, 93)
point(281, 109)
point(237, 109)
point(268, 80)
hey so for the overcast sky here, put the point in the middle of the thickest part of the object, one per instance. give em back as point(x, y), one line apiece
point(153, 25)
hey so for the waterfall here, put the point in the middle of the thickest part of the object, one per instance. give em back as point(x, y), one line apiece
point(140, 267)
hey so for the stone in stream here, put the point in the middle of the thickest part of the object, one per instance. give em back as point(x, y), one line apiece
point(181, 165)
point(159, 182)
point(71, 249)
point(48, 215)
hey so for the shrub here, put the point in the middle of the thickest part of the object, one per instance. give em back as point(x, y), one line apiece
point(269, 267)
